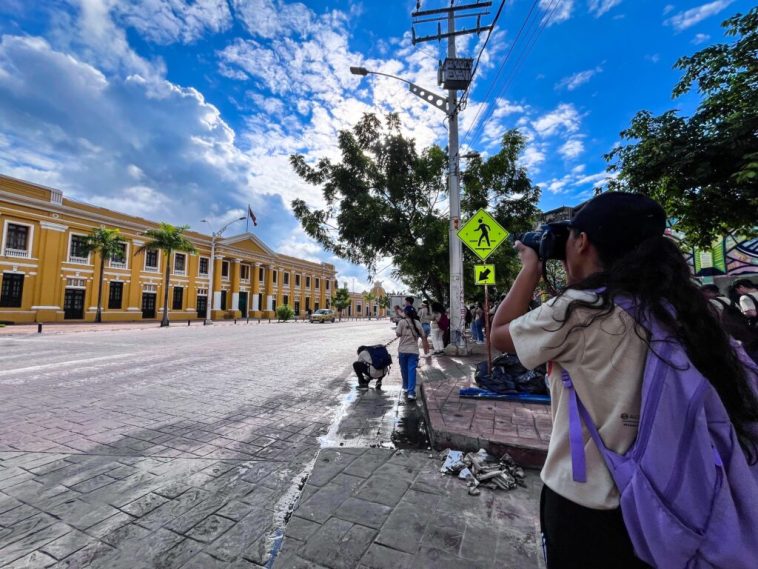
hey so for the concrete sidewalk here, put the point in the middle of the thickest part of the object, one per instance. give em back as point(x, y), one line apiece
point(369, 505)
point(521, 429)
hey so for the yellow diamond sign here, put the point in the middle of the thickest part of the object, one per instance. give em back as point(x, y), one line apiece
point(482, 234)
point(484, 274)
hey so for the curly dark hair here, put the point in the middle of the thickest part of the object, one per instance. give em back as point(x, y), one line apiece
point(656, 275)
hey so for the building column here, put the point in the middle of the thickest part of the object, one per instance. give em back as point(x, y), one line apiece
point(134, 304)
point(255, 286)
point(302, 296)
point(48, 295)
point(217, 311)
point(193, 264)
point(280, 286)
point(235, 268)
point(322, 291)
point(268, 294)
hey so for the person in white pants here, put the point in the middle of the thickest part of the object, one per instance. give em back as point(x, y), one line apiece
point(438, 342)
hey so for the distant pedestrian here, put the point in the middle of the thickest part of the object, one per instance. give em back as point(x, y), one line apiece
point(438, 334)
point(478, 325)
point(410, 331)
point(409, 300)
point(748, 300)
point(425, 316)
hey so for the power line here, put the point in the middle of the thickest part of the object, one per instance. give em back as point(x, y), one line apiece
point(533, 34)
point(500, 69)
point(464, 96)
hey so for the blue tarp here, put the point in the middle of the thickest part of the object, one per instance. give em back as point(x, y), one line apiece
point(479, 393)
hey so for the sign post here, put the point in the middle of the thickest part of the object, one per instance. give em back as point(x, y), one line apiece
point(485, 275)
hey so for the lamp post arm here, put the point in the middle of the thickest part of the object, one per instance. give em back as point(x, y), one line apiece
point(430, 98)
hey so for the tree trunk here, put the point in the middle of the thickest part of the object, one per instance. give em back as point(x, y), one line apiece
point(99, 313)
point(164, 322)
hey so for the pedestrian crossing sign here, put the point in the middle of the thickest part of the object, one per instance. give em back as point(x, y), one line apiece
point(482, 234)
point(484, 274)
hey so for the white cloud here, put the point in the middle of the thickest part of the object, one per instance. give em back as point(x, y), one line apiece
point(689, 18)
point(564, 118)
point(700, 38)
point(572, 148)
point(169, 21)
point(558, 10)
point(533, 156)
point(655, 58)
point(668, 8)
point(577, 79)
point(600, 7)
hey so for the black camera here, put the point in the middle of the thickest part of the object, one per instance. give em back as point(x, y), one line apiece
point(549, 241)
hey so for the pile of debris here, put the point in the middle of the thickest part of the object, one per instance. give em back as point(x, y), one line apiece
point(483, 469)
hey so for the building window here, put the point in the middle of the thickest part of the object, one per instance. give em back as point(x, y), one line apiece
point(358, 308)
point(327, 286)
point(77, 252)
point(328, 303)
point(115, 294)
point(76, 283)
point(118, 260)
point(245, 273)
point(318, 283)
point(286, 299)
point(17, 237)
point(149, 287)
point(286, 278)
point(151, 260)
point(307, 282)
point(178, 298)
point(12, 290)
point(261, 274)
point(225, 269)
point(297, 280)
point(273, 276)
point(222, 303)
point(203, 269)
point(180, 263)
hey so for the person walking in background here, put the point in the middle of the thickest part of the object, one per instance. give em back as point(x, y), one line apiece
point(734, 322)
point(438, 341)
point(598, 353)
point(409, 331)
point(478, 326)
point(425, 317)
point(748, 299)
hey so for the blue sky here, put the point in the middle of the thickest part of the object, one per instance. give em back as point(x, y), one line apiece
point(180, 110)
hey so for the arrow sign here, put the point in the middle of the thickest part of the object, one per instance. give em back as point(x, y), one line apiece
point(484, 274)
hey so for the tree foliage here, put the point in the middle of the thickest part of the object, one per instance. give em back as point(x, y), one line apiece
point(703, 169)
point(107, 243)
point(384, 199)
point(167, 238)
point(341, 300)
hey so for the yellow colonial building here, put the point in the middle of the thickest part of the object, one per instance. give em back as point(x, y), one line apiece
point(47, 277)
point(362, 307)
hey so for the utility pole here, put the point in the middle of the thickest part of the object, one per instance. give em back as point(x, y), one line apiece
point(454, 74)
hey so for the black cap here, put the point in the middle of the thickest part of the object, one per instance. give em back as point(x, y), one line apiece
point(616, 222)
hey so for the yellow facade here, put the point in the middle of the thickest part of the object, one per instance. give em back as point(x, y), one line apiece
point(44, 280)
point(360, 307)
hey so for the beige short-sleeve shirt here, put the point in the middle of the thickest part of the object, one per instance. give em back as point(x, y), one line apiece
point(606, 362)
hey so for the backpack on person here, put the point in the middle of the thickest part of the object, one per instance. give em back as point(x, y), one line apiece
point(688, 496)
point(380, 357)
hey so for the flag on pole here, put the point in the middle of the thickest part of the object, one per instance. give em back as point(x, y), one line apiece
point(251, 215)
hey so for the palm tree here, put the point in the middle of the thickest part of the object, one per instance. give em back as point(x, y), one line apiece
point(167, 238)
point(369, 297)
point(107, 243)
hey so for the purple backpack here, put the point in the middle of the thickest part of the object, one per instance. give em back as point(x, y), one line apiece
point(689, 499)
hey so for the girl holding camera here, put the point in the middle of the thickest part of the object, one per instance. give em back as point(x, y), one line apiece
point(615, 247)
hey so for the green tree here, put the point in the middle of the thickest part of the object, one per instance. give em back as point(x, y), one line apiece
point(383, 200)
point(369, 297)
point(284, 313)
point(107, 243)
point(167, 238)
point(341, 300)
point(704, 168)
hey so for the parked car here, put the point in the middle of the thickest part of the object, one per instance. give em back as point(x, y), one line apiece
point(323, 315)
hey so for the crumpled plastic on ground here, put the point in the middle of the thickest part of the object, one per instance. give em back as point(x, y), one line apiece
point(482, 469)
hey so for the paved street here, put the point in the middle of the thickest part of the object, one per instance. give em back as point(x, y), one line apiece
point(183, 447)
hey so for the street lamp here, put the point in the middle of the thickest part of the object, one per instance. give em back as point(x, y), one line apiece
point(450, 107)
point(214, 235)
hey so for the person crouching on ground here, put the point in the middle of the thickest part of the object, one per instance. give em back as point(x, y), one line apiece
point(365, 371)
point(409, 331)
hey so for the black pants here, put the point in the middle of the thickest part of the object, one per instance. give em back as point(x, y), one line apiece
point(362, 371)
point(576, 537)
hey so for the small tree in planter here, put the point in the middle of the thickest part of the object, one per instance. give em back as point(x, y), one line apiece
point(284, 313)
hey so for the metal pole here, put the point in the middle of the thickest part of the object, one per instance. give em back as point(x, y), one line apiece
point(457, 309)
point(209, 300)
point(487, 329)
